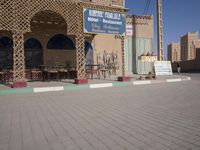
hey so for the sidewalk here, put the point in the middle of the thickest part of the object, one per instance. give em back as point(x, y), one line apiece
point(53, 86)
point(145, 117)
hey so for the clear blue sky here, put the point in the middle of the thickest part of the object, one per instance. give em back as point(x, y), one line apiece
point(179, 17)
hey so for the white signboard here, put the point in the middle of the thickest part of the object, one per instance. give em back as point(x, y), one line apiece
point(148, 58)
point(163, 68)
point(129, 30)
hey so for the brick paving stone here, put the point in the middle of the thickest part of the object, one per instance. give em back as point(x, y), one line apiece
point(124, 118)
point(196, 148)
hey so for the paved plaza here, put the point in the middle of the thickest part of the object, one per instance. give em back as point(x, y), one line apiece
point(146, 117)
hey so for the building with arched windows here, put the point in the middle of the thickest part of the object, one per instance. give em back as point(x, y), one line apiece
point(35, 33)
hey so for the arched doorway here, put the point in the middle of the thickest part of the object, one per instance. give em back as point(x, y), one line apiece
point(89, 53)
point(61, 50)
point(60, 42)
point(33, 53)
point(58, 47)
point(6, 52)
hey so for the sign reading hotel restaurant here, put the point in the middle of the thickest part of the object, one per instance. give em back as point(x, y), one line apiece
point(163, 68)
point(102, 22)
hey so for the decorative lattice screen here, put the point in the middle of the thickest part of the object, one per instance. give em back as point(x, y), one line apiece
point(16, 16)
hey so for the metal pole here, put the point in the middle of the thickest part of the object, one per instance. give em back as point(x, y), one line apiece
point(124, 3)
point(160, 30)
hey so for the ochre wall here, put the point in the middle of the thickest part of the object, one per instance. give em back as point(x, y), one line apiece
point(189, 43)
point(142, 25)
point(174, 52)
point(108, 43)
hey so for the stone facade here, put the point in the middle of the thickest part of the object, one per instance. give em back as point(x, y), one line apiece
point(189, 43)
point(174, 52)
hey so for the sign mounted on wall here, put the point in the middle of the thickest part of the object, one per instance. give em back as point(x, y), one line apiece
point(102, 22)
point(129, 30)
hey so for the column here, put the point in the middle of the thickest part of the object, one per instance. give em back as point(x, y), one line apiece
point(80, 49)
point(123, 78)
point(19, 79)
point(80, 60)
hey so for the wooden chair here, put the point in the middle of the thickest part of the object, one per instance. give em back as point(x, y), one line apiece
point(52, 71)
point(63, 73)
point(36, 74)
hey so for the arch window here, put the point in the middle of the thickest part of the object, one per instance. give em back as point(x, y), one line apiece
point(6, 42)
point(6, 52)
point(32, 43)
point(33, 53)
point(60, 42)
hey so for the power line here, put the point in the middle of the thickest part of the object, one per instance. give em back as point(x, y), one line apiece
point(146, 9)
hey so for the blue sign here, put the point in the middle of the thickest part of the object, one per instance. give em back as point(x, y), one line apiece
point(101, 22)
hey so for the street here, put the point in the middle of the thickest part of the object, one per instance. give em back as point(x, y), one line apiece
point(146, 117)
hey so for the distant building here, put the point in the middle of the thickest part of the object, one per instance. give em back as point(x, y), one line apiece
point(139, 42)
point(189, 43)
point(198, 54)
point(174, 52)
point(189, 65)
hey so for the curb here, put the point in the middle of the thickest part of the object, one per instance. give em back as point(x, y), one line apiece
point(87, 86)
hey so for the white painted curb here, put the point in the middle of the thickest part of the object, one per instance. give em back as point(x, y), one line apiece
point(174, 80)
point(141, 82)
point(95, 86)
point(48, 89)
point(187, 79)
point(104, 85)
